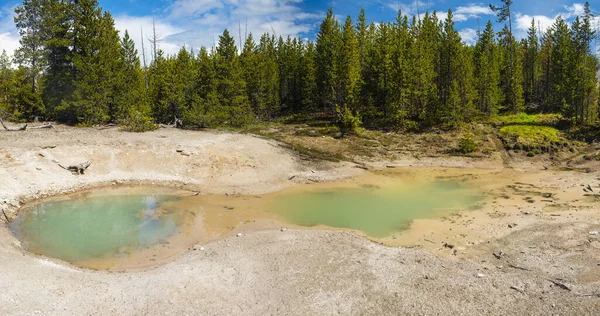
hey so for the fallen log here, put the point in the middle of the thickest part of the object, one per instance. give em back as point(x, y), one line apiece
point(49, 125)
point(13, 129)
point(77, 169)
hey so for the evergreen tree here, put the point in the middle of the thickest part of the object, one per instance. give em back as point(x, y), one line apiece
point(29, 19)
point(249, 62)
point(231, 87)
point(425, 56)
point(59, 75)
point(530, 67)
point(364, 46)
point(511, 74)
point(205, 111)
point(309, 88)
point(487, 81)
point(6, 83)
point(268, 79)
point(561, 70)
point(328, 46)
point(96, 56)
point(350, 68)
point(131, 93)
point(400, 72)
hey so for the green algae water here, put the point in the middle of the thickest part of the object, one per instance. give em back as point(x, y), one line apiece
point(132, 228)
point(377, 212)
point(96, 227)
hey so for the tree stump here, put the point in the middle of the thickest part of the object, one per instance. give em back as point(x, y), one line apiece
point(78, 168)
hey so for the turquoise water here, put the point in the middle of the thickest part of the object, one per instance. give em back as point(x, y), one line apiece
point(377, 212)
point(95, 227)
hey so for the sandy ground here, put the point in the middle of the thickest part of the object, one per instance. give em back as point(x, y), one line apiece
point(549, 264)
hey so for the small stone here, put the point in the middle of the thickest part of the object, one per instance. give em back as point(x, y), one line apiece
point(283, 229)
point(512, 225)
point(239, 235)
point(594, 232)
point(480, 275)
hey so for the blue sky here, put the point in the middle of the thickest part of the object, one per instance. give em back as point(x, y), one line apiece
point(196, 23)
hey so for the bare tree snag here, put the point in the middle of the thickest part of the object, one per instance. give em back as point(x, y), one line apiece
point(77, 169)
point(13, 129)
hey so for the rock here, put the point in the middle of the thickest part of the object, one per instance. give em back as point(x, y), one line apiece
point(283, 229)
point(480, 275)
point(239, 235)
point(512, 225)
point(594, 233)
point(447, 245)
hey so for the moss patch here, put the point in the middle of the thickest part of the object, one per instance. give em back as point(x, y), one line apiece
point(526, 119)
point(531, 137)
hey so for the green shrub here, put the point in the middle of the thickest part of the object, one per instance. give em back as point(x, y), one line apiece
point(347, 122)
point(139, 123)
point(467, 144)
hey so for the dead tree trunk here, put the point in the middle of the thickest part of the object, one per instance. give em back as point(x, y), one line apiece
point(13, 129)
point(77, 169)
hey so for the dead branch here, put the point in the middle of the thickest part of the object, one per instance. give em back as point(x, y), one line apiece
point(13, 129)
point(517, 289)
point(5, 217)
point(77, 169)
point(518, 268)
point(560, 285)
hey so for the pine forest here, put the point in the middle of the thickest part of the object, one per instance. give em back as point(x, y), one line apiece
point(73, 67)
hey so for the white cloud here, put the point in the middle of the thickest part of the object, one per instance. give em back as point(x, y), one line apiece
point(471, 12)
point(9, 36)
point(202, 21)
point(410, 9)
point(9, 42)
point(523, 23)
point(460, 14)
point(576, 9)
point(468, 36)
point(542, 22)
point(474, 10)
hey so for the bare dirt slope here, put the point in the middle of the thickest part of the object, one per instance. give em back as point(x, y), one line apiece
point(209, 162)
point(549, 264)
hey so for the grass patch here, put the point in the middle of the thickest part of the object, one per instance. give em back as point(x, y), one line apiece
point(532, 136)
point(315, 153)
point(527, 119)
